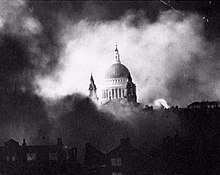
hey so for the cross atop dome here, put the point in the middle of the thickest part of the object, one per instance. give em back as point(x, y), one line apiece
point(117, 57)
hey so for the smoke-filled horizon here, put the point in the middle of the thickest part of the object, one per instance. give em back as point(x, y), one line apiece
point(166, 58)
point(55, 52)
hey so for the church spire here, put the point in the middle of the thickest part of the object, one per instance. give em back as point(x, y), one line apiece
point(117, 57)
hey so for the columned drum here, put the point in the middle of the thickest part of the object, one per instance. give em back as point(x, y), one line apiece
point(118, 85)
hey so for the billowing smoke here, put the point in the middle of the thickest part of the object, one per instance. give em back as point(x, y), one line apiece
point(154, 52)
point(15, 18)
point(77, 120)
point(22, 112)
point(23, 115)
point(160, 103)
point(19, 30)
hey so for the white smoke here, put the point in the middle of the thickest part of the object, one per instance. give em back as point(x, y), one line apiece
point(153, 52)
point(16, 18)
point(160, 103)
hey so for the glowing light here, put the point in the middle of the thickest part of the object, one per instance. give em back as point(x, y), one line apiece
point(159, 103)
point(206, 19)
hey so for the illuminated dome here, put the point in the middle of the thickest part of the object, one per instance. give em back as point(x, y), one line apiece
point(118, 85)
point(117, 70)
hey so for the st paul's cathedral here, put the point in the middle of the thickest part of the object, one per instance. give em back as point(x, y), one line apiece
point(118, 85)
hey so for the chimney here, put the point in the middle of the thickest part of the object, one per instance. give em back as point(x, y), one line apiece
point(59, 141)
point(24, 143)
point(88, 147)
point(73, 154)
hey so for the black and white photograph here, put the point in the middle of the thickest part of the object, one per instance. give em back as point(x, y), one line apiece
point(109, 87)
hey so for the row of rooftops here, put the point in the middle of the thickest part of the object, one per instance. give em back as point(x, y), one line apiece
point(195, 105)
point(204, 104)
point(12, 144)
point(15, 157)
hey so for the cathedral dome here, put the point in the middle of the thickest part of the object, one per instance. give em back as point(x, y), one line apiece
point(118, 85)
point(117, 70)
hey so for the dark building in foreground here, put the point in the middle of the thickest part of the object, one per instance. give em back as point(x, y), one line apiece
point(95, 161)
point(192, 152)
point(124, 159)
point(204, 105)
point(41, 159)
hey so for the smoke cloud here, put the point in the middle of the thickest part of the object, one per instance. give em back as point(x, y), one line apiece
point(23, 115)
point(161, 103)
point(78, 121)
point(22, 112)
point(16, 18)
point(155, 53)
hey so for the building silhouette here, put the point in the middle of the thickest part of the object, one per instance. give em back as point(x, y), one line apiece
point(192, 152)
point(37, 159)
point(124, 159)
point(92, 90)
point(96, 162)
point(204, 105)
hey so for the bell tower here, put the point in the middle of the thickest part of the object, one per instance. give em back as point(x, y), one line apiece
point(92, 90)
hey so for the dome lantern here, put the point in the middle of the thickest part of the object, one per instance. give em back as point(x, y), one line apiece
point(117, 57)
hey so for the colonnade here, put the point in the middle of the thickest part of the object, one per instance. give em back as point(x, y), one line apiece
point(113, 93)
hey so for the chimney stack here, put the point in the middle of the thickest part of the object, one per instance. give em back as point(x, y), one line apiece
point(73, 154)
point(24, 143)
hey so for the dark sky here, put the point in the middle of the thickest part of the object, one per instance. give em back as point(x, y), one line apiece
point(112, 10)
